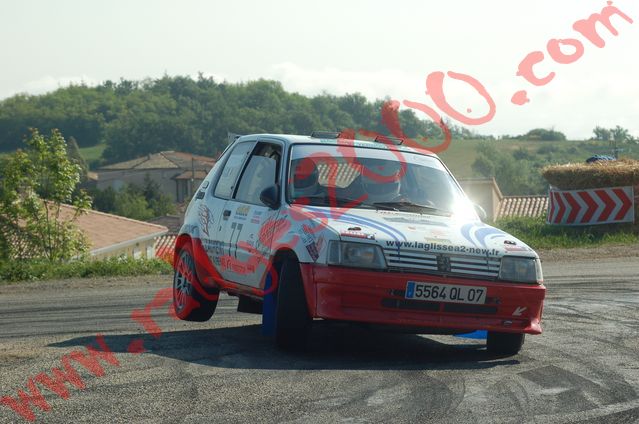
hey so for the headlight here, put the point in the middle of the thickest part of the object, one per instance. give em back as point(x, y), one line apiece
point(362, 255)
point(521, 270)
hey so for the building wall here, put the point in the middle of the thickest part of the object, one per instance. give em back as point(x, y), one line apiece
point(484, 193)
point(116, 179)
point(144, 249)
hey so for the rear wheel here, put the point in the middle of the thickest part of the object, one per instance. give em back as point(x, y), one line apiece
point(504, 343)
point(292, 320)
point(189, 304)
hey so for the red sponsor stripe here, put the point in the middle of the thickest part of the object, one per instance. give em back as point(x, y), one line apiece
point(626, 203)
point(608, 202)
point(562, 208)
point(592, 206)
point(574, 208)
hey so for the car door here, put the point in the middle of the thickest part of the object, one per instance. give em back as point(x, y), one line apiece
point(246, 227)
point(210, 213)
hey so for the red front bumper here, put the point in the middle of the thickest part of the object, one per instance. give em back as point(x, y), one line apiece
point(348, 294)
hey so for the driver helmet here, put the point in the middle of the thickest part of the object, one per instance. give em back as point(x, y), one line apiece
point(305, 178)
point(382, 183)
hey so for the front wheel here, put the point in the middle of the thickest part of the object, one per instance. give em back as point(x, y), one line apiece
point(189, 304)
point(504, 343)
point(292, 320)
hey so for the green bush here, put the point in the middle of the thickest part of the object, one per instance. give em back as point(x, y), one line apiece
point(539, 235)
point(45, 270)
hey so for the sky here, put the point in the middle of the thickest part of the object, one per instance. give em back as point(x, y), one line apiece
point(378, 48)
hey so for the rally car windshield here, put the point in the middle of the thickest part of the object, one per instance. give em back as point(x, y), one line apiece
point(359, 177)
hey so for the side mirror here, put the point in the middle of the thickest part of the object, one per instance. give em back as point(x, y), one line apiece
point(480, 211)
point(270, 196)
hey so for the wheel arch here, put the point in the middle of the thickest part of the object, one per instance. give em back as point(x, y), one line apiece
point(202, 271)
point(308, 285)
point(180, 241)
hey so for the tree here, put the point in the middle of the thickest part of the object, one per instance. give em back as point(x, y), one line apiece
point(130, 203)
point(73, 151)
point(620, 135)
point(602, 134)
point(514, 177)
point(160, 203)
point(135, 118)
point(35, 185)
point(543, 134)
point(133, 201)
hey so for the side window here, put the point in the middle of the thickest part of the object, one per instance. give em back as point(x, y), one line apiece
point(261, 171)
point(232, 168)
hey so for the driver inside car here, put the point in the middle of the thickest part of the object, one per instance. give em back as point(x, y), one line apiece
point(306, 180)
point(382, 183)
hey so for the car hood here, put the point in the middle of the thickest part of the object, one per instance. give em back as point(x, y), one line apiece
point(405, 231)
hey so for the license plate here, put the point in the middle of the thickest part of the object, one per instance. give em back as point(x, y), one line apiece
point(445, 293)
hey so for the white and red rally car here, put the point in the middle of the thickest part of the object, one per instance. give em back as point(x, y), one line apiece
point(306, 227)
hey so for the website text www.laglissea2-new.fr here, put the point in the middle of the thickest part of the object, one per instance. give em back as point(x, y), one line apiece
point(441, 247)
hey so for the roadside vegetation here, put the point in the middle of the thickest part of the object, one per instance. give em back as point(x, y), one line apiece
point(39, 238)
point(29, 270)
point(538, 235)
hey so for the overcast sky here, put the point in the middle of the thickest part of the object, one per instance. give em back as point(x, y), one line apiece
point(378, 48)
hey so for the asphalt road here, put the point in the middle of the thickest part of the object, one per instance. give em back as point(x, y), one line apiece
point(584, 368)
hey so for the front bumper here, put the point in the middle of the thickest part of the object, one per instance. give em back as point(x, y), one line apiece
point(348, 294)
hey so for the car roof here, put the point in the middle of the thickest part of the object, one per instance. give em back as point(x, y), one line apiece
point(291, 139)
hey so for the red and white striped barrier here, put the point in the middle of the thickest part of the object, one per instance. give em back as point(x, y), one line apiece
point(590, 207)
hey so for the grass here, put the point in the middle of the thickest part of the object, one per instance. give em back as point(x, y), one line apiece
point(44, 270)
point(92, 154)
point(538, 235)
point(462, 153)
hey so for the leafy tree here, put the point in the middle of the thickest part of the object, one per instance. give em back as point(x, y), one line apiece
point(160, 203)
point(130, 203)
point(514, 177)
point(620, 135)
point(542, 134)
point(34, 186)
point(104, 200)
point(133, 201)
point(522, 154)
point(602, 134)
point(135, 118)
point(73, 151)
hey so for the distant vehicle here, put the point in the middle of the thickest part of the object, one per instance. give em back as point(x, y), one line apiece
point(353, 231)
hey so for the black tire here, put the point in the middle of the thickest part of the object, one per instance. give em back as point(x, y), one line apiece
point(189, 304)
point(504, 343)
point(292, 320)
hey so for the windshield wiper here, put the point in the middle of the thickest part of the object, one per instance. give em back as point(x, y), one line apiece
point(407, 204)
point(330, 200)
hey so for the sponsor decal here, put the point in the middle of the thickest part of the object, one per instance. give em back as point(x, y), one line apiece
point(205, 218)
point(418, 221)
point(437, 240)
point(517, 248)
point(214, 250)
point(440, 247)
point(357, 234)
point(257, 217)
point(436, 232)
point(520, 310)
point(307, 236)
point(242, 212)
